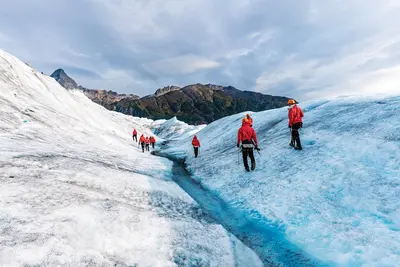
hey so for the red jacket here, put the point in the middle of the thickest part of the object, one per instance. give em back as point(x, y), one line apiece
point(152, 140)
point(147, 141)
point(295, 115)
point(134, 132)
point(246, 133)
point(142, 139)
point(195, 142)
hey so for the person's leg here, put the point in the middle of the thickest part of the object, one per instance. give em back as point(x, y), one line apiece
point(143, 148)
point(253, 160)
point(244, 154)
point(296, 135)
point(196, 152)
point(293, 140)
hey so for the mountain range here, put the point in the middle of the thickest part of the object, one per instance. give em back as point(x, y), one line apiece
point(194, 104)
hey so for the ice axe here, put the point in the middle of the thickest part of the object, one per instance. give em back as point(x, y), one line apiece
point(256, 148)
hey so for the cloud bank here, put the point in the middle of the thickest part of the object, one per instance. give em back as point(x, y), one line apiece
point(299, 48)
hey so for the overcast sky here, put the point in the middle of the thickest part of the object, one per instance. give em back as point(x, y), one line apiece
point(299, 48)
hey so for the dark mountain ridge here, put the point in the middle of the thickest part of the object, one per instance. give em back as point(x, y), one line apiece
point(193, 104)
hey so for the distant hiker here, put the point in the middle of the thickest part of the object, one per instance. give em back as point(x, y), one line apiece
point(134, 135)
point(248, 137)
point(196, 145)
point(295, 116)
point(142, 142)
point(147, 144)
point(152, 141)
point(249, 119)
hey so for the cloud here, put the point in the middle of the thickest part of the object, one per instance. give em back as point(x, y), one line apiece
point(182, 65)
point(300, 48)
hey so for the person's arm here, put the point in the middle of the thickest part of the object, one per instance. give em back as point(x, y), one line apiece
point(239, 138)
point(255, 138)
point(290, 117)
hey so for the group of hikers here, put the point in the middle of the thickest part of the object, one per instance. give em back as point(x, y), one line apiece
point(247, 137)
point(145, 142)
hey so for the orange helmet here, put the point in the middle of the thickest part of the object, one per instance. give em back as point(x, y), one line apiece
point(291, 102)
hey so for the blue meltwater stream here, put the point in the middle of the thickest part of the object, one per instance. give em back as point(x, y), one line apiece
point(250, 227)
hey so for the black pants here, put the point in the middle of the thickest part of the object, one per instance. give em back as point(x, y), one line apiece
point(248, 152)
point(148, 147)
point(134, 137)
point(296, 134)
point(152, 145)
point(196, 151)
point(142, 147)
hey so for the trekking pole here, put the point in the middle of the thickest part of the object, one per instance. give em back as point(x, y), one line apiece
point(256, 148)
point(238, 155)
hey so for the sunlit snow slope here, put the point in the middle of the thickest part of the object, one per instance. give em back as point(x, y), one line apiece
point(336, 202)
point(76, 191)
point(174, 129)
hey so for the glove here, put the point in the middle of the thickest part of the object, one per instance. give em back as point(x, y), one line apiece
point(257, 148)
point(237, 145)
point(289, 126)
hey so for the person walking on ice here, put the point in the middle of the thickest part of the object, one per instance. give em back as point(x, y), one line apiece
point(147, 144)
point(247, 136)
point(142, 142)
point(196, 145)
point(152, 141)
point(134, 135)
point(295, 115)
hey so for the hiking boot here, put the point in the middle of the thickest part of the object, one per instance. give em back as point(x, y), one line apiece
point(298, 148)
point(253, 166)
point(291, 144)
point(247, 169)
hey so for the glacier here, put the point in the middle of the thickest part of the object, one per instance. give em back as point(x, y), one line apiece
point(76, 191)
point(335, 203)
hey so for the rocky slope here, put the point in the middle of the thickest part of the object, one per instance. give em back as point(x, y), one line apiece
point(193, 104)
point(102, 97)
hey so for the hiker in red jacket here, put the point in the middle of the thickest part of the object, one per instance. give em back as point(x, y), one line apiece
point(295, 116)
point(152, 141)
point(134, 135)
point(196, 145)
point(142, 142)
point(147, 144)
point(248, 137)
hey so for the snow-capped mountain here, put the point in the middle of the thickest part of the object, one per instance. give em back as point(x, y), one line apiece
point(75, 190)
point(336, 202)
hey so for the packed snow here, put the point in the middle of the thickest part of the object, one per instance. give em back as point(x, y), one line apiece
point(77, 191)
point(173, 129)
point(336, 202)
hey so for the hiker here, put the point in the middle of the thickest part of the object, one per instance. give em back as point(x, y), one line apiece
point(249, 119)
point(295, 115)
point(147, 144)
point(196, 145)
point(248, 137)
point(152, 141)
point(134, 135)
point(142, 142)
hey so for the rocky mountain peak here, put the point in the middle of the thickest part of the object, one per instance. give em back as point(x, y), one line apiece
point(62, 78)
point(165, 90)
